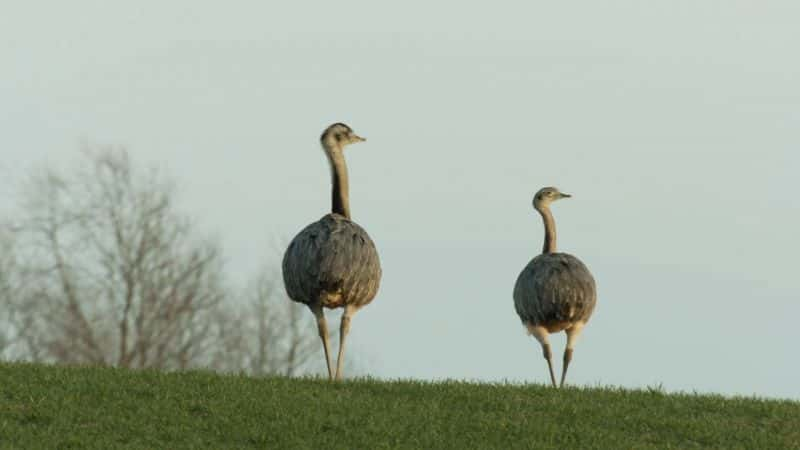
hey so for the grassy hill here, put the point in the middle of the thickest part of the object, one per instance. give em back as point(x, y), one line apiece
point(49, 407)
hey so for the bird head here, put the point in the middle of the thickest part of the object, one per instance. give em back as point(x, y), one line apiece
point(547, 195)
point(338, 136)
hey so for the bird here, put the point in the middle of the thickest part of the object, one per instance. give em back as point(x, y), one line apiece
point(555, 291)
point(333, 263)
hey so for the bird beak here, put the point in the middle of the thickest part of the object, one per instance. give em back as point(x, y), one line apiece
point(357, 138)
point(563, 195)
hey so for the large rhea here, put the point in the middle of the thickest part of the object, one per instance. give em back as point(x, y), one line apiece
point(555, 291)
point(333, 263)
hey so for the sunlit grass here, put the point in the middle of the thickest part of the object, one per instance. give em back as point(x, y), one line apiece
point(49, 407)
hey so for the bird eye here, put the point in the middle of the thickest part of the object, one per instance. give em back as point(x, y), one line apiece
point(337, 136)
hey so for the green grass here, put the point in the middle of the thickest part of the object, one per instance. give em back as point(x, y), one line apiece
point(63, 407)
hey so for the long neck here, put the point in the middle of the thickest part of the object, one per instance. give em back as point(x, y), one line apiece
point(549, 229)
point(340, 194)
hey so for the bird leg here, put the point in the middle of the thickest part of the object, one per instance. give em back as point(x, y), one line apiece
point(549, 357)
point(344, 328)
point(322, 327)
point(567, 359)
point(541, 333)
point(572, 335)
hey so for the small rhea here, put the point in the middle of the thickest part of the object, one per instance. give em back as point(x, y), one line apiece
point(555, 291)
point(333, 263)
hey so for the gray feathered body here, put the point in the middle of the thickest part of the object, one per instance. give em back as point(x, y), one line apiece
point(332, 261)
point(555, 290)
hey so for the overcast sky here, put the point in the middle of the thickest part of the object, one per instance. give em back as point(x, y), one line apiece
point(676, 126)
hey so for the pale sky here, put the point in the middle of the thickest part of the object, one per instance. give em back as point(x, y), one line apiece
point(674, 125)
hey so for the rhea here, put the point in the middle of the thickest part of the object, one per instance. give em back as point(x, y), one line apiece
point(333, 263)
point(555, 291)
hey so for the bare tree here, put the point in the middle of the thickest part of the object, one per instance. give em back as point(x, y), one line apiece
point(9, 288)
point(117, 276)
point(269, 334)
point(281, 340)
